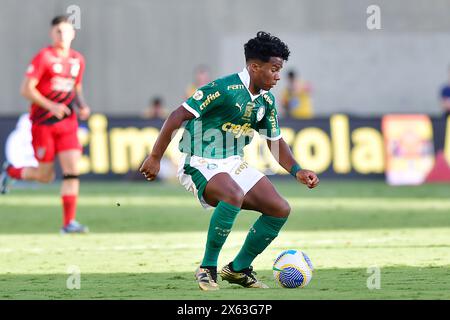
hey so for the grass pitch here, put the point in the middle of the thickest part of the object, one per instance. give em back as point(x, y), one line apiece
point(149, 246)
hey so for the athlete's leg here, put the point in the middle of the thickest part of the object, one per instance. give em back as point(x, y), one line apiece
point(70, 185)
point(44, 151)
point(68, 149)
point(69, 160)
point(264, 198)
point(225, 194)
point(275, 210)
point(43, 173)
point(222, 187)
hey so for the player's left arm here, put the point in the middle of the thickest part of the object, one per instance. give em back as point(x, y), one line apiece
point(283, 154)
point(270, 129)
point(84, 110)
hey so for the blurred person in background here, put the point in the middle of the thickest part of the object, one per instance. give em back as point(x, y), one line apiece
point(19, 148)
point(296, 98)
point(201, 77)
point(155, 109)
point(53, 84)
point(445, 97)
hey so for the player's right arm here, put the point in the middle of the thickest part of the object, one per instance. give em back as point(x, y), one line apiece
point(202, 101)
point(150, 166)
point(29, 91)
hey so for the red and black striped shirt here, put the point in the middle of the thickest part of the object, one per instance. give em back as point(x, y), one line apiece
point(57, 77)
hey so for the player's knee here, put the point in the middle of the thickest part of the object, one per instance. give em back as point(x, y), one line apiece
point(70, 176)
point(284, 209)
point(235, 196)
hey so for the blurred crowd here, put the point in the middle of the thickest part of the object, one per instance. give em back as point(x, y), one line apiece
point(445, 97)
point(294, 102)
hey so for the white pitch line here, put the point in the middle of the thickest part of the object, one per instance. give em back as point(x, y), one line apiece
point(364, 204)
point(233, 243)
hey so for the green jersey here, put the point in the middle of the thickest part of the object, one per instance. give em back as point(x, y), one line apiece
point(227, 115)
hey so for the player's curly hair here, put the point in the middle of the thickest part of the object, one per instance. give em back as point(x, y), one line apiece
point(264, 46)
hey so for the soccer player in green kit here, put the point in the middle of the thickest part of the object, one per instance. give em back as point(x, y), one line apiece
point(222, 118)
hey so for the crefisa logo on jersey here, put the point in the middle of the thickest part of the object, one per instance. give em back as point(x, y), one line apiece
point(260, 113)
point(273, 120)
point(209, 98)
point(198, 95)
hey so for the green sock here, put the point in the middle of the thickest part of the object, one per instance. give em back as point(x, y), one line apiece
point(219, 227)
point(262, 233)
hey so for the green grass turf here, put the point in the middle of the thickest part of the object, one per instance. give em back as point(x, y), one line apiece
point(149, 246)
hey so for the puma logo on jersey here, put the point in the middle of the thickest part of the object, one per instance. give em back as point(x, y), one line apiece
point(239, 106)
point(236, 87)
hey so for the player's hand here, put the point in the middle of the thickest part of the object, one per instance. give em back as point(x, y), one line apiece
point(150, 167)
point(84, 112)
point(59, 110)
point(307, 177)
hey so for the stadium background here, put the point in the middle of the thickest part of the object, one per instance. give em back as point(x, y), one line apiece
point(137, 49)
point(140, 48)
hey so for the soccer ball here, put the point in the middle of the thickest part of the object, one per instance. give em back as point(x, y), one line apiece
point(293, 269)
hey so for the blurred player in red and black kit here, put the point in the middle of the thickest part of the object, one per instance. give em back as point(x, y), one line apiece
point(53, 84)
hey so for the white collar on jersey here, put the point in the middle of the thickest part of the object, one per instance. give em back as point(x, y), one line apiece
point(245, 78)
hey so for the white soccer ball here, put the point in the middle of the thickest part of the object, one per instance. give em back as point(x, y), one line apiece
point(293, 269)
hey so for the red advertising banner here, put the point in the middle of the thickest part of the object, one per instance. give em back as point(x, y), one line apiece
point(409, 148)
